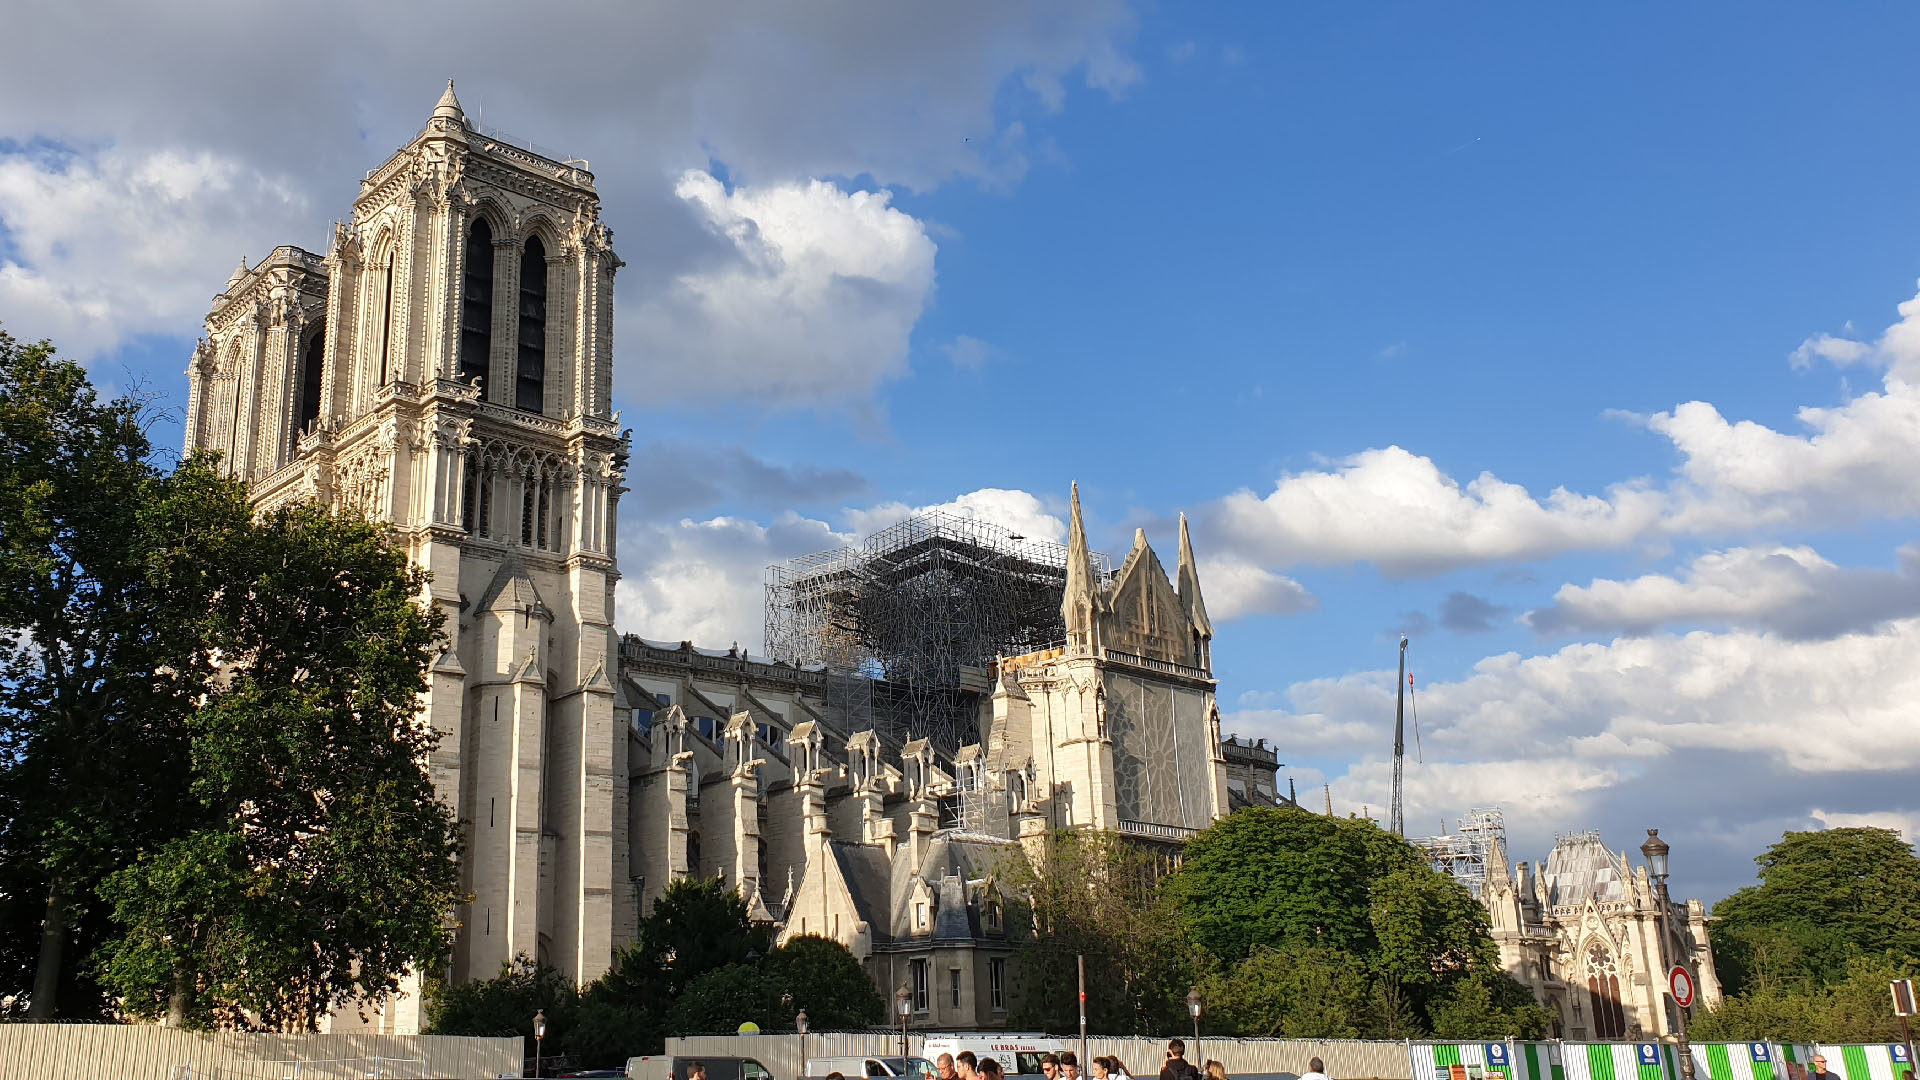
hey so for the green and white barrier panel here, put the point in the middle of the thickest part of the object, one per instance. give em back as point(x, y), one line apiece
point(1856, 1061)
point(1737, 1061)
point(1479, 1061)
point(1617, 1061)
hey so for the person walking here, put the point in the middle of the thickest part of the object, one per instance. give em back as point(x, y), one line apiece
point(1819, 1070)
point(944, 1063)
point(1050, 1066)
point(990, 1070)
point(1177, 1066)
point(966, 1066)
point(1216, 1071)
point(1069, 1066)
point(1316, 1070)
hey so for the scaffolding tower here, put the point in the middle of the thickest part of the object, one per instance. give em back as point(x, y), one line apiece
point(926, 607)
point(1464, 853)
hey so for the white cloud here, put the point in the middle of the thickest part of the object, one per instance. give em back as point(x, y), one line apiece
point(1234, 588)
point(1399, 511)
point(1709, 731)
point(815, 301)
point(700, 580)
point(1900, 821)
point(777, 95)
point(107, 244)
point(1018, 511)
point(1790, 590)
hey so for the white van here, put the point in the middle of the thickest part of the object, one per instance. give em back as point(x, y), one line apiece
point(854, 1068)
point(1018, 1055)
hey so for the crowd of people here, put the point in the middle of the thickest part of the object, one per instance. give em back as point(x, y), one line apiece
point(1066, 1066)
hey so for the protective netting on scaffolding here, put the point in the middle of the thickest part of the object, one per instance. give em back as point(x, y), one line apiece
point(926, 605)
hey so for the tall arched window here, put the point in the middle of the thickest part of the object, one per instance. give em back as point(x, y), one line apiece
point(386, 327)
point(310, 383)
point(1603, 988)
point(476, 305)
point(530, 386)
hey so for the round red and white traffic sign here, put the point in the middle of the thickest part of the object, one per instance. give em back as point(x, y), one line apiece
point(1681, 984)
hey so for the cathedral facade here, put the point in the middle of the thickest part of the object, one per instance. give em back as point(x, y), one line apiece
point(446, 367)
point(1584, 934)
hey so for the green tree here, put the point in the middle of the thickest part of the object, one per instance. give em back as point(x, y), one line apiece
point(1427, 926)
point(820, 975)
point(1823, 897)
point(718, 1002)
point(1093, 895)
point(1267, 877)
point(506, 1003)
point(696, 926)
point(1294, 991)
point(87, 770)
point(1489, 1005)
point(317, 864)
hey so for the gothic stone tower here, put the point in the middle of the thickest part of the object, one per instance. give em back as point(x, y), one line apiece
point(447, 368)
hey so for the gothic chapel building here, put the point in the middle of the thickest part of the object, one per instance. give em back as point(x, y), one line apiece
point(446, 367)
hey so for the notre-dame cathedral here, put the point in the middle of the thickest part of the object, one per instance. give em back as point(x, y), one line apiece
point(447, 367)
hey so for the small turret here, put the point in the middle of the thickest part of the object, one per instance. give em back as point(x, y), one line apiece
point(449, 107)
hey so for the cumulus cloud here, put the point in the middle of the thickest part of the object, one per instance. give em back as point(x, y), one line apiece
point(700, 580)
point(1403, 513)
point(1900, 821)
point(1018, 511)
point(1399, 511)
point(1235, 588)
point(816, 298)
point(1792, 591)
point(103, 244)
point(1733, 735)
point(778, 96)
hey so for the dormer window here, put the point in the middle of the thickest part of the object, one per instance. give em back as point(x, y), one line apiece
point(920, 915)
point(992, 915)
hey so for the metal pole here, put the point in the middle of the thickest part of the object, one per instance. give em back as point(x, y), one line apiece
point(1080, 962)
point(1679, 1011)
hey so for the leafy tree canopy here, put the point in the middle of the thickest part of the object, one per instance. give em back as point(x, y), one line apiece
point(1269, 877)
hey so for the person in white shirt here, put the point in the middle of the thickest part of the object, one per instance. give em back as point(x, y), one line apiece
point(1316, 1070)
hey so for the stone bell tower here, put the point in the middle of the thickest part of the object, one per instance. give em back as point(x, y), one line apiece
point(447, 367)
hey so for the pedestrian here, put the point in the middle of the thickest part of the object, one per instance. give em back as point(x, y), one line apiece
point(990, 1070)
point(945, 1064)
point(1316, 1070)
point(1216, 1071)
point(1177, 1066)
point(966, 1066)
point(1050, 1066)
point(1069, 1066)
point(1099, 1069)
point(1819, 1070)
point(697, 1071)
point(1117, 1069)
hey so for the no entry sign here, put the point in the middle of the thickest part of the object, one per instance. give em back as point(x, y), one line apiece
point(1682, 985)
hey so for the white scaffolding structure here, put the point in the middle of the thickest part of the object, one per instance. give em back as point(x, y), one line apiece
point(1464, 853)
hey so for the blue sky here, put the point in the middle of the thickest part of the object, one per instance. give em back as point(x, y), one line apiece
point(1302, 271)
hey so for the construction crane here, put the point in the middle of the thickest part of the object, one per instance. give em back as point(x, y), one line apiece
point(1396, 819)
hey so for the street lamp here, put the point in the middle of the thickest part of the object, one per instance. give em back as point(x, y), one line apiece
point(539, 1037)
point(1656, 851)
point(1193, 1010)
point(800, 1025)
point(903, 1004)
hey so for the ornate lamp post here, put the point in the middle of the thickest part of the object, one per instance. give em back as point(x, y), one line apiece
point(539, 1038)
point(800, 1025)
point(903, 1005)
point(1656, 852)
point(1193, 1010)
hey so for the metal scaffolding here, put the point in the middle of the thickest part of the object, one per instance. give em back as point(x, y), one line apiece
point(1463, 854)
point(926, 606)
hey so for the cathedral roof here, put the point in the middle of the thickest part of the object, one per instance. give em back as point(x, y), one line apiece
point(1581, 868)
point(1190, 599)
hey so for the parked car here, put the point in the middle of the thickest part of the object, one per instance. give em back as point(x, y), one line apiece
point(674, 1067)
